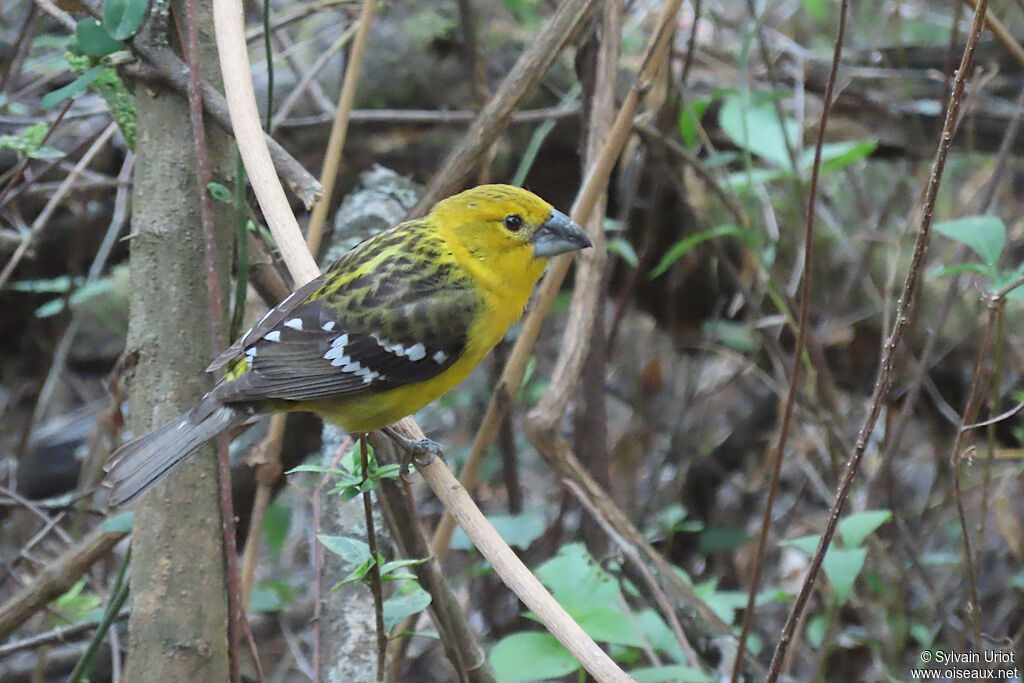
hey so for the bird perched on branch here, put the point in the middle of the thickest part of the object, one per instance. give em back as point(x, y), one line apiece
point(392, 325)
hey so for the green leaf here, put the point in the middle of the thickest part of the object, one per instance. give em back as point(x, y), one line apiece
point(976, 268)
point(356, 575)
point(676, 673)
point(624, 250)
point(318, 469)
point(121, 523)
point(985, 235)
point(221, 193)
point(659, 635)
point(576, 580)
point(531, 657)
point(52, 99)
point(351, 550)
point(608, 625)
point(731, 334)
point(518, 531)
point(858, 526)
point(46, 152)
point(838, 155)
point(393, 565)
point(122, 18)
point(689, 119)
point(95, 40)
point(816, 630)
point(724, 603)
point(816, 9)
point(271, 596)
point(842, 567)
point(680, 248)
point(80, 295)
point(752, 124)
point(411, 601)
point(807, 544)
point(276, 523)
point(718, 538)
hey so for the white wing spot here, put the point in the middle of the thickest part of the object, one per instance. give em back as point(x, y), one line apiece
point(328, 326)
point(274, 336)
point(249, 355)
point(416, 352)
point(440, 357)
point(294, 323)
point(339, 360)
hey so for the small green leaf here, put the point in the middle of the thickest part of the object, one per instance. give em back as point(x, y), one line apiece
point(976, 268)
point(689, 119)
point(221, 193)
point(122, 18)
point(838, 155)
point(351, 550)
point(816, 9)
point(52, 99)
point(576, 580)
point(608, 625)
point(357, 574)
point(398, 607)
point(858, 526)
point(842, 567)
point(624, 250)
point(675, 673)
point(276, 523)
point(731, 334)
point(531, 657)
point(807, 544)
point(816, 630)
point(46, 152)
point(985, 235)
point(95, 40)
point(121, 523)
point(751, 122)
point(316, 468)
point(393, 565)
point(518, 530)
point(680, 248)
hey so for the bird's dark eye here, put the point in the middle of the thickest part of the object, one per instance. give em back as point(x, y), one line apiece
point(513, 223)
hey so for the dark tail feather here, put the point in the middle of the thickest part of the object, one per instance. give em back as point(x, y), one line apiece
point(139, 464)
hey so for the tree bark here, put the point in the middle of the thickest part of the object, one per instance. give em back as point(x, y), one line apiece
point(178, 627)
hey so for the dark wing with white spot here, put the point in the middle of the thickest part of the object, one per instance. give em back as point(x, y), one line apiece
point(373, 334)
point(270, 320)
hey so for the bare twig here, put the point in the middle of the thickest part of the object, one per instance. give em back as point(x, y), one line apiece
point(510, 568)
point(494, 118)
point(44, 216)
point(371, 541)
point(883, 381)
point(217, 336)
point(56, 578)
point(779, 451)
point(339, 128)
point(593, 186)
point(429, 117)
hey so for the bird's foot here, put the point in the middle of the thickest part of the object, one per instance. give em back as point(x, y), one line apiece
point(420, 452)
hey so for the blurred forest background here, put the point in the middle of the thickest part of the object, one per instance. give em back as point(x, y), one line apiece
point(679, 398)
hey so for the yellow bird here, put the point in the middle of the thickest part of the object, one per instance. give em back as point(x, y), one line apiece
point(392, 325)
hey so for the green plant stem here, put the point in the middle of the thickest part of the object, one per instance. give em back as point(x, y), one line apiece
point(118, 596)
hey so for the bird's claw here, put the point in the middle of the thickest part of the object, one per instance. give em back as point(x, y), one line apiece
point(419, 452)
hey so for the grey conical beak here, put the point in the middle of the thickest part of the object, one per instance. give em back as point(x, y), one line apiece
point(558, 235)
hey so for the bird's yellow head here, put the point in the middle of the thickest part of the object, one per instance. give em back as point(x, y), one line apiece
point(509, 228)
